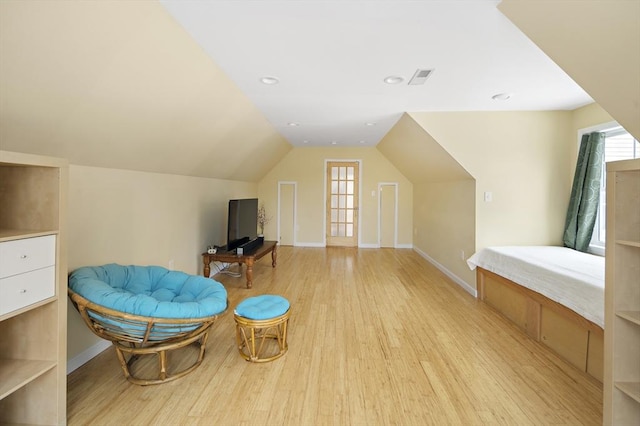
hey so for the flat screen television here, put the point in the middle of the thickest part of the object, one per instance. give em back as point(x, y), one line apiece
point(242, 225)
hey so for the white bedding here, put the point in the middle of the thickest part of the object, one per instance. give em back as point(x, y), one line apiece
point(569, 277)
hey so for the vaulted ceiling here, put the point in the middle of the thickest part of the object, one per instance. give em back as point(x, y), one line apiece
point(173, 87)
point(331, 59)
point(596, 42)
point(120, 84)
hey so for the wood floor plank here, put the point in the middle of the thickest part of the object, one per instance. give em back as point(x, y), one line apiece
point(376, 336)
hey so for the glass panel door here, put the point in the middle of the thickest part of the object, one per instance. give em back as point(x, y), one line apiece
point(342, 204)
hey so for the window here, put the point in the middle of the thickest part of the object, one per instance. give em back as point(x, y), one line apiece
point(618, 145)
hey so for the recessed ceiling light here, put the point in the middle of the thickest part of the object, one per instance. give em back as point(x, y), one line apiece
point(393, 79)
point(269, 80)
point(371, 123)
point(292, 124)
point(362, 141)
point(501, 96)
point(305, 141)
point(334, 143)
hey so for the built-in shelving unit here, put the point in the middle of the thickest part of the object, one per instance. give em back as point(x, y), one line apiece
point(622, 295)
point(33, 296)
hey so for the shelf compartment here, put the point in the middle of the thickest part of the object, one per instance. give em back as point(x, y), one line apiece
point(28, 335)
point(622, 295)
point(33, 196)
point(15, 373)
point(633, 316)
point(30, 196)
point(626, 265)
point(631, 389)
point(628, 243)
point(627, 206)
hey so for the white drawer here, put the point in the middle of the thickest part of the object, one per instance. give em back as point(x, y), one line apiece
point(26, 255)
point(25, 289)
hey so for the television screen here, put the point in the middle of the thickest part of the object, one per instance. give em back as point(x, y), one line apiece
point(243, 222)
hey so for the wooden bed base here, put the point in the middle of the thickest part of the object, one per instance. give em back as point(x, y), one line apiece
point(574, 338)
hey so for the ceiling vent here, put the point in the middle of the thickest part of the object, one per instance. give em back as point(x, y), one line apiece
point(420, 76)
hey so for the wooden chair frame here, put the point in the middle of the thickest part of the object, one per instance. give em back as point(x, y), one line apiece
point(251, 336)
point(136, 335)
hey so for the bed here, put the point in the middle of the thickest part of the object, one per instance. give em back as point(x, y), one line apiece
point(555, 294)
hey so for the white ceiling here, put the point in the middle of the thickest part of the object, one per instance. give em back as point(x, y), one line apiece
point(331, 58)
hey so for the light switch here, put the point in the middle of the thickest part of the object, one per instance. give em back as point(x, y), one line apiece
point(488, 196)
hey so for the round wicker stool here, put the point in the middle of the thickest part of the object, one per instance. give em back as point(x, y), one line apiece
point(261, 327)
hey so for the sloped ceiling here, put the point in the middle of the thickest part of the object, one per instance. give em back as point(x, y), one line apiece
point(331, 59)
point(418, 155)
point(596, 42)
point(120, 84)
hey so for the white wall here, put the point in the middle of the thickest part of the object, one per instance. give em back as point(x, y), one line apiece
point(525, 159)
point(306, 166)
point(522, 159)
point(142, 218)
point(445, 225)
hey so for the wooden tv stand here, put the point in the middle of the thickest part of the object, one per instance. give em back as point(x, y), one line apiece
point(248, 258)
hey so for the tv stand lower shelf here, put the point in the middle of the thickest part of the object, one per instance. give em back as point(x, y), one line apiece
point(247, 258)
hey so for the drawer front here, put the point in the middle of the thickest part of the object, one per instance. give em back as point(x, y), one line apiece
point(25, 289)
point(28, 254)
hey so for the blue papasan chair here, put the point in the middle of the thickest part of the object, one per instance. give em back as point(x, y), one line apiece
point(147, 310)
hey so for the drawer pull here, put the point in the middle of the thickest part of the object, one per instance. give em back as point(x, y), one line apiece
point(24, 290)
point(24, 256)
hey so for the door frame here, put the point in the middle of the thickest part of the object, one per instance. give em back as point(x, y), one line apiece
point(395, 219)
point(324, 198)
point(295, 209)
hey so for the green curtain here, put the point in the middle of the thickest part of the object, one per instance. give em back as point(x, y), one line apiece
point(585, 193)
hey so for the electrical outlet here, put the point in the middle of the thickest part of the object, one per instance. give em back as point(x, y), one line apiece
point(171, 264)
point(462, 257)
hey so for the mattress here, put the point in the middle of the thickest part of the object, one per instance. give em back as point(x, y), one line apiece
point(569, 277)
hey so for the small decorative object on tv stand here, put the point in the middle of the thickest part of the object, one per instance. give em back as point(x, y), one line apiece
point(263, 219)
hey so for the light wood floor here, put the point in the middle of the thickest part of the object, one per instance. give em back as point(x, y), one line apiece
point(376, 337)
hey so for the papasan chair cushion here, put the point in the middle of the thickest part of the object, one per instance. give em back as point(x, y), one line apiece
point(150, 291)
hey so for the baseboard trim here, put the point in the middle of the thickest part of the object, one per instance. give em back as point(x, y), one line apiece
point(404, 246)
point(397, 246)
point(309, 244)
point(472, 291)
point(85, 356)
point(361, 245)
point(368, 245)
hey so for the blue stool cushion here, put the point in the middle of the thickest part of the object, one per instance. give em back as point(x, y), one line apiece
point(262, 307)
point(150, 291)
